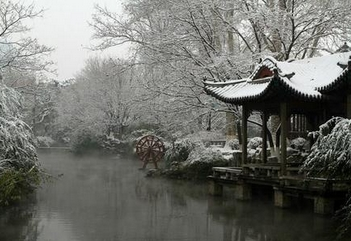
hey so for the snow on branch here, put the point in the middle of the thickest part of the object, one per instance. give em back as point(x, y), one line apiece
point(331, 153)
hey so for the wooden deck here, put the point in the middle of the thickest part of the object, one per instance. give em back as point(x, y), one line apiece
point(295, 184)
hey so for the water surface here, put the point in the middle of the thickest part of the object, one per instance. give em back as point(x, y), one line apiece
point(100, 197)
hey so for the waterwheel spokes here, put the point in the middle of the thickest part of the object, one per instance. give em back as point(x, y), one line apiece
point(150, 149)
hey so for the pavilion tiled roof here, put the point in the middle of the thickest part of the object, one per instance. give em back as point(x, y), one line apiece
point(307, 78)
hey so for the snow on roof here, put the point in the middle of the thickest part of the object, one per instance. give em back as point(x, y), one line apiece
point(306, 77)
point(241, 91)
point(316, 72)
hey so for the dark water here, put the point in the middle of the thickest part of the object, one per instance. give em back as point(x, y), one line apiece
point(106, 198)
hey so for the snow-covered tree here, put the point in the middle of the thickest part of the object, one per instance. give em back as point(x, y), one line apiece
point(219, 39)
point(179, 43)
point(169, 73)
point(101, 101)
point(19, 169)
point(287, 28)
point(38, 93)
point(330, 157)
point(24, 61)
point(39, 111)
point(17, 50)
point(331, 153)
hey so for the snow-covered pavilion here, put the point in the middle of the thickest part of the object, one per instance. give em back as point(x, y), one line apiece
point(314, 89)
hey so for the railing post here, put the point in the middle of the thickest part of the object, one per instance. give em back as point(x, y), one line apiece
point(284, 134)
point(244, 133)
point(264, 136)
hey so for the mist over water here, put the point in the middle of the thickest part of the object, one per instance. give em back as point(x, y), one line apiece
point(106, 198)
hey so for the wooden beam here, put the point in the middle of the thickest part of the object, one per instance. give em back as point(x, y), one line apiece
point(284, 134)
point(264, 136)
point(244, 133)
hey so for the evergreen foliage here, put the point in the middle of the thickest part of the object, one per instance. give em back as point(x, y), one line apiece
point(330, 157)
point(331, 153)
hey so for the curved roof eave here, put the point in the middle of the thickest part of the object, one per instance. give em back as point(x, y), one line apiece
point(334, 83)
point(219, 94)
point(271, 87)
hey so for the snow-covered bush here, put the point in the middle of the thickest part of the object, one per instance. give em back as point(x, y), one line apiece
point(109, 142)
point(298, 143)
point(234, 144)
point(84, 139)
point(190, 159)
point(200, 162)
point(254, 143)
point(16, 144)
point(325, 128)
point(44, 141)
point(180, 150)
point(19, 170)
point(295, 152)
point(330, 157)
point(254, 154)
point(202, 154)
point(331, 153)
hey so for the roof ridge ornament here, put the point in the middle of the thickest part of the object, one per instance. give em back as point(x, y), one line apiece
point(289, 75)
point(344, 48)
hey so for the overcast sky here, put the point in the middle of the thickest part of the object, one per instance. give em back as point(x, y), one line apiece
point(65, 27)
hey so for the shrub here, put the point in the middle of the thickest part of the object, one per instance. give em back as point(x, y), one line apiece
point(331, 153)
point(18, 183)
point(200, 162)
point(44, 141)
point(298, 143)
point(330, 157)
point(202, 154)
point(179, 151)
point(19, 171)
point(254, 143)
point(234, 144)
point(190, 159)
point(84, 140)
point(201, 170)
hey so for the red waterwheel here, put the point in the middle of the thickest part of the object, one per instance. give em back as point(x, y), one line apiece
point(150, 149)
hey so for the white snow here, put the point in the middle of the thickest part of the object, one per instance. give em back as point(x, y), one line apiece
point(241, 90)
point(306, 76)
point(226, 151)
point(315, 72)
point(331, 153)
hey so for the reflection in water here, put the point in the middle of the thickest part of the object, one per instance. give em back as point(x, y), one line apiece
point(104, 197)
point(259, 220)
point(17, 223)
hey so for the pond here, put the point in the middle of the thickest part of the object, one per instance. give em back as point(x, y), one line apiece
point(107, 198)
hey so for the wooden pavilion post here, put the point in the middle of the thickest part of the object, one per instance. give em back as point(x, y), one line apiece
point(348, 98)
point(284, 134)
point(264, 136)
point(244, 133)
point(348, 106)
point(230, 128)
